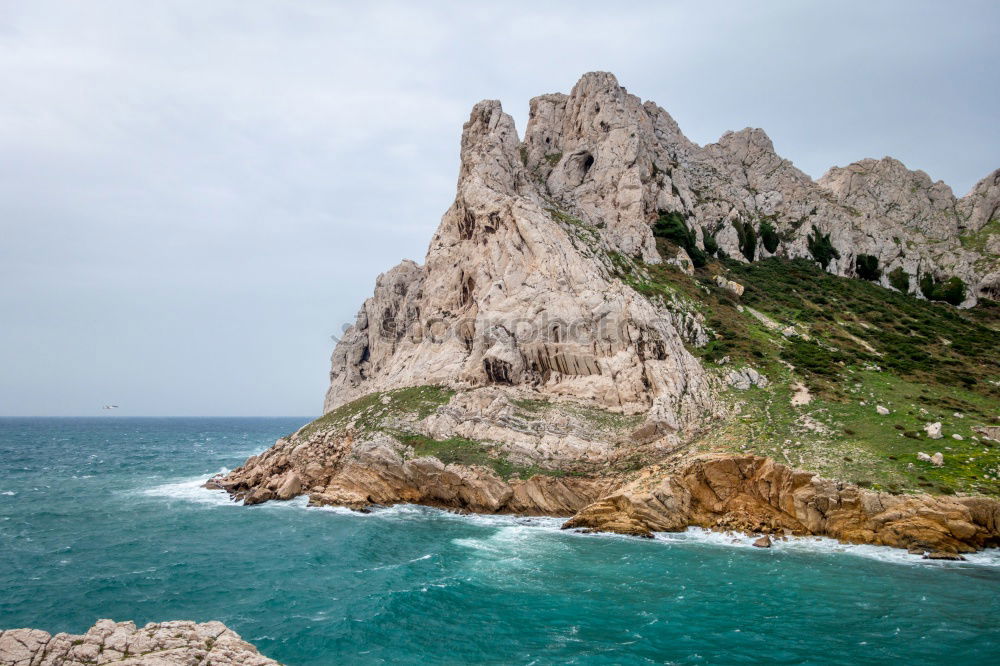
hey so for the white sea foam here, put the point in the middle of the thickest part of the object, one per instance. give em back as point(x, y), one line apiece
point(821, 545)
point(190, 490)
point(415, 511)
point(397, 565)
point(513, 540)
point(10, 493)
point(517, 531)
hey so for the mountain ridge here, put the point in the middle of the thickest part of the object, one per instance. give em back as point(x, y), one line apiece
point(572, 303)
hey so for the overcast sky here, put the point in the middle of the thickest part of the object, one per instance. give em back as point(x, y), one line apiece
point(195, 195)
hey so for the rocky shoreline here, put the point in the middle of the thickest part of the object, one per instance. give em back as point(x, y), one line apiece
point(156, 644)
point(757, 495)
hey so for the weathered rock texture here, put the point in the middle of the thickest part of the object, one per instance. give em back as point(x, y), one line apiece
point(757, 495)
point(376, 471)
point(107, 642)
point(525, 295)
point(516, 287)
point(347, 465)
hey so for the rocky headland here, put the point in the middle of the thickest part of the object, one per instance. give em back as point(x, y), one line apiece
point(616, 325)
point(110, 642)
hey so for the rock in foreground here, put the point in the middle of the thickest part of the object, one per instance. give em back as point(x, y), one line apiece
point(107, 642)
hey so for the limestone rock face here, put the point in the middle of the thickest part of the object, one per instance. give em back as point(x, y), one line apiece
point(108, 642)
point(757, 495)
point(517, 287)
point(982, 204)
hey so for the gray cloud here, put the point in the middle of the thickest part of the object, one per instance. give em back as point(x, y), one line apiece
point(194, 196)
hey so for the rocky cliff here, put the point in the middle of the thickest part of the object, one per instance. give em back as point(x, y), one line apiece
point(527, 250)
point(576, 322)
point(123, 643)
point(756, 495)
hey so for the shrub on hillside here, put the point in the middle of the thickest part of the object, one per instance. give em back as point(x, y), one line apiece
point(866, 266)
point(768, 236)
point(821, 248)
point(711, 245)
point(672, 227)
point(900, 280)
point(952, 290)
point(747, 239)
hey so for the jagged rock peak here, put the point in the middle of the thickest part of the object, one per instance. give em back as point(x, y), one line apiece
point(521, 260)
point(539, 334)
point(490, 148)
point(982, 205)
point(536, 223)
point(747, 138)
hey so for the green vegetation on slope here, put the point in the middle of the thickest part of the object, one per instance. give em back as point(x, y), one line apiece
point(854, 346)
point(848, 440)
point(674, 228)
point(852, 322)
point(461, 451)
point(976, 241)
point(376, 412)
point(398, 413)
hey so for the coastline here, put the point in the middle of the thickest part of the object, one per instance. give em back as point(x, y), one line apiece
point(307, 584)
point(745, 494)
point(195, 490)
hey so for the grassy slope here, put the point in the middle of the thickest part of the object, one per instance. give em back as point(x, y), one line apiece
point(860, 345)
point(396, 413)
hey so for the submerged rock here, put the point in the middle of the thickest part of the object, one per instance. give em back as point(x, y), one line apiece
point(939, 555)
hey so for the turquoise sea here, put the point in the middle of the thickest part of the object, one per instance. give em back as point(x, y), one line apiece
point(104, 517)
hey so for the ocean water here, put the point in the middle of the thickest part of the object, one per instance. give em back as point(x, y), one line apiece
point(104, 517)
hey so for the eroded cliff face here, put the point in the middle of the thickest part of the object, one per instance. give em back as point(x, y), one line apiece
point(759, 496)
point(518, 289)
point(531, 365)
point(518, 286)
point(488, 450)
point(123, 643)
